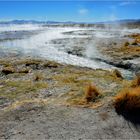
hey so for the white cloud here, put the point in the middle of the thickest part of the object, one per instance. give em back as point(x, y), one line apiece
point(126, 3)
point(83, 11)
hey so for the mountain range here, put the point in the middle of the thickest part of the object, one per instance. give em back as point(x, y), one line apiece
point(68, 22)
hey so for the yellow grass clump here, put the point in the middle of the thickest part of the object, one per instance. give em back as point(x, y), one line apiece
point(135, 82)
point(128, 100)
point(91, 92)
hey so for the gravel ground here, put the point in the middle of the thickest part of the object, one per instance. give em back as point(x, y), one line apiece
point(62, 122)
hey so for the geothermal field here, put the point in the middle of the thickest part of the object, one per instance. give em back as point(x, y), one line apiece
point(70, 81)
point(81, 46)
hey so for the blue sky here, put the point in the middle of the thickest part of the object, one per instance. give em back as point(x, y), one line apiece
point(79, 11)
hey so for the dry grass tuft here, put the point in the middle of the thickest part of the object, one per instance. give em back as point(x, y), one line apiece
point(117, 74)
point(126, 44)
point(8, 70)
point(136, 82)
point(134, 35)
point(128, 100)
point(51, 64)
point(134, 42)
point(91, 92)
point(24, 70)
point(38, 77)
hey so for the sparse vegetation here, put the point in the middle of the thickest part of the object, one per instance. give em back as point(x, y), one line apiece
point(129, 49)
point(37, 93)
point(28, 82)
point(135, 36)
point(13, 89)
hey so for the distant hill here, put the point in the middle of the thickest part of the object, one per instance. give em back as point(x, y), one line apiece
point(126, 21)
point(33, 22)
point(121, 21)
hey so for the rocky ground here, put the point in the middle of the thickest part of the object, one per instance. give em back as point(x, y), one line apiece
point(41, 99)
point(13, 35)
point(123, 55)
point(118, 49)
